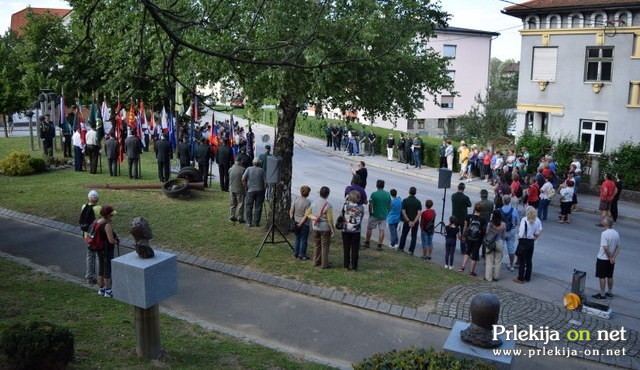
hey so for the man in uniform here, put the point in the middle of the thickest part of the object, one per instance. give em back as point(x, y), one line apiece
point(67, 132)
point(47, 134)
point(163, 156)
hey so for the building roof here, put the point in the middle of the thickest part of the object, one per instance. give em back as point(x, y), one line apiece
point(533, 6)
point(466, 31)
point(19, 20)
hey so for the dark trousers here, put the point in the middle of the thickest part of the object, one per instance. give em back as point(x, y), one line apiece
point(133, 168)
point(223, 172)
point(443, 162)
point(329, 140)
point(614, 210)
point(414, 236)
point(184, 164)
point(164, 171)
point(253, 202)
point(113, 166)
point(203, 167)
point(66, 146)
point(78, 158)
point(525, 260)
point(93, 151)
point(47, 147)
point(351, 249)
point(337, 142)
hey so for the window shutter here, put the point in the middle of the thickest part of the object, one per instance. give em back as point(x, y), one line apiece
point(544, 64)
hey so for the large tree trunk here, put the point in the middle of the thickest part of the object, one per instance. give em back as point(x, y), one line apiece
point(5, 124)
point(288, 112)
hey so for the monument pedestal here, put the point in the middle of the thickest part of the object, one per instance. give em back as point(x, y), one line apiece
point(458, 348)
point(143, 283)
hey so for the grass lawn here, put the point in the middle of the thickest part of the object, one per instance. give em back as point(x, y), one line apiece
point(199, 226)
point(104, 329)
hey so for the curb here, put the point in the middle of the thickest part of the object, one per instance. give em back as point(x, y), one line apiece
point(328, 294)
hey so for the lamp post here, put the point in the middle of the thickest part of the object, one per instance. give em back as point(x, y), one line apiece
point(29, 114)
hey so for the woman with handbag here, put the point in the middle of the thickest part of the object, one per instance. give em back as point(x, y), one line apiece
point(529, 230)
point(494, 244)
point(351, 218)
point(321, 215)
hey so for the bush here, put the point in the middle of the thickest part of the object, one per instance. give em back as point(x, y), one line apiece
point(16, 164)
point(565, 149)
point(38, 164)
point(537, 145)
point(625, 161)
point(37, 345)
point(419, 359)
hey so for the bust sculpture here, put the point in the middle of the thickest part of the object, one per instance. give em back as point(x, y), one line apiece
point(141, 232)
point(484, 310)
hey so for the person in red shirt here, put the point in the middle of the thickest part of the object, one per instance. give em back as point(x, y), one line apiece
point(533, 193)
point(427, 229)
point(608, 190)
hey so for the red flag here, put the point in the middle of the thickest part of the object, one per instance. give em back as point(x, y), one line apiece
point(131, 117)
point(119, 136)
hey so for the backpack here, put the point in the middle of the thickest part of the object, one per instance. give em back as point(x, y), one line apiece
point(87, 216)
point(508, 219)
point(474, 231)
point(94, 237)
point(519, 190)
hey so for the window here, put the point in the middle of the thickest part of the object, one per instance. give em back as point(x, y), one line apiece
point(592, 134)
point(446, 101)
point(410, 124)
point(440, 122)
point(451, 75)
point(544, 64)
point(421, 124)
point(449, 51)
point(599, 61)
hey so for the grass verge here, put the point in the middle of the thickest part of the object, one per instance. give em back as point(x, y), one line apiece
point(104, 329)
point(199, 226)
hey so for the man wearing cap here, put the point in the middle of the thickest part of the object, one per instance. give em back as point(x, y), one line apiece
point(487, 210)
point(90, 262)
point(460, 202)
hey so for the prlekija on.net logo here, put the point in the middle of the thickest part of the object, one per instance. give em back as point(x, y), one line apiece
point(546, 335)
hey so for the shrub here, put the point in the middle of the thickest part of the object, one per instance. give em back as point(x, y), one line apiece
point(624, 160)
point(38, 164)
point(537, 145)
point(565, 149)
point(419, 359)
point(16, 164)
point(37, 345)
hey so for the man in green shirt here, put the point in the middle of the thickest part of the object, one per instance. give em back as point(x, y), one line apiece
point(379, 206)
point(411, 208)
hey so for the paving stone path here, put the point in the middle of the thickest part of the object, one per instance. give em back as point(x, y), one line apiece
point(520, 310)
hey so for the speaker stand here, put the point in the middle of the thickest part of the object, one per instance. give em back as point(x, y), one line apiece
point(271, 233)
point(441, 226)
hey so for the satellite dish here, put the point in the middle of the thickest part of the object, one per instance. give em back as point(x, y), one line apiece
point(265, 138)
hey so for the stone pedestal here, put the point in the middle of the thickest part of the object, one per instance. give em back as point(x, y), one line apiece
point(458, 348)
point(143, 283)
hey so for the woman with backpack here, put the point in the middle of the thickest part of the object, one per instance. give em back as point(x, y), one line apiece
point(105, 255)
point(427, 229)
point(494, 244)
point(353, 212)
point(474, 231)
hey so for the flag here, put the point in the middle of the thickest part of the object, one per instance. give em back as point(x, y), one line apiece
point(213, 137)
point(179, 103)
point(131, 117)
point(97, 121)
point(195, 108)
point(152, 124)
point(62, 110)
point(141, 123)
point(172, 134)
point(164, 123)
point(104, 115)
point(232, 144)
point(118, 132)
point(81, 124)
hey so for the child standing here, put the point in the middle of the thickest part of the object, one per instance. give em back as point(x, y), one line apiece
point(452, 234)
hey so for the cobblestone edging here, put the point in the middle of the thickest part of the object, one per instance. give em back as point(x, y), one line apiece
point(453, 305)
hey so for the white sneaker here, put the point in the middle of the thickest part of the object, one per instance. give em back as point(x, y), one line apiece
point(446, 266)
point(108, 293)
point(101, 291)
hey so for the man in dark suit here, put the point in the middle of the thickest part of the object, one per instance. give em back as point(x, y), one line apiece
point(133, 148)
point(203, 156)
point(164, 153)
point(184, 152)
point(111, 150)
point(223, 157)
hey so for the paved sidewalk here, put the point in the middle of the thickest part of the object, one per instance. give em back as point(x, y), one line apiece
point(315, 323)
